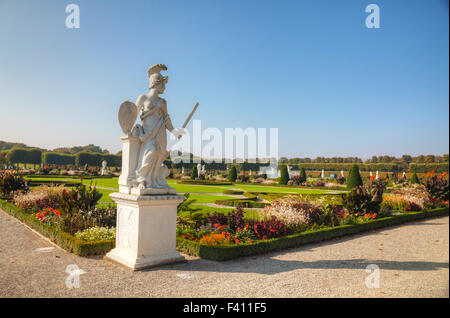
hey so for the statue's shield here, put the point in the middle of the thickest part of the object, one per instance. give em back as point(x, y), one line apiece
point(128, 113)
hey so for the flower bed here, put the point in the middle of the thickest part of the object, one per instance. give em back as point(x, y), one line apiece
point(65, 240)
point(227, 252)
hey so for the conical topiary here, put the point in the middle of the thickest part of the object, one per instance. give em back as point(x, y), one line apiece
point(284, 175)
point(414, 178)
point(354, 178)
point(194, 173)
point(303, 176)
point(232, 176)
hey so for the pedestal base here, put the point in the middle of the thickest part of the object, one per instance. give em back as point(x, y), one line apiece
point(145, 231)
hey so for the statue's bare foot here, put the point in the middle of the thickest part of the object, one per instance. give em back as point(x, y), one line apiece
point(141, 185)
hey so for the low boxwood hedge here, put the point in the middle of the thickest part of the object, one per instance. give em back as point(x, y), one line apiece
point(222, 253)
point(236, 192)
point(204, 182)
point(62, 239)
point(35, 183)
point(246, 203)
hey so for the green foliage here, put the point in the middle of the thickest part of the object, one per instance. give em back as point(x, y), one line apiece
point(438, 187)
point(11, 183)
point(194, 172)
point(303, 176)
point(97, 233)
point(232, 176)
point(19, 155)
point(53, 158)
point(82, 198)
point(354, 178)
point(284, 175)
point(414, 178)
point(185, 206)
point(235, 192)
point(365, 199)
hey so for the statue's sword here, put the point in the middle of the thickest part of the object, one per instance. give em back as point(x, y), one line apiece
point(190, 116)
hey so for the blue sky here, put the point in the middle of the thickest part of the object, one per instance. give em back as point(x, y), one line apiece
point(311, 68)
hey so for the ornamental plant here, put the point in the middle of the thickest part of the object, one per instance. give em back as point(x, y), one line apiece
point(232, 176)
point(269, 228)
point(438, 186)
point(11, 182)
point(415, 179)
point(303, 176)
point(215, 239)
point(284, 175)
point(97, 234)
point(194, 173)
point(38, 198)
point(354, 178)
point(364, 199)
point(296, 214)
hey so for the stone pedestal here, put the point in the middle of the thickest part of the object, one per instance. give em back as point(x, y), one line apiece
point(130, 154)
point(146, 230)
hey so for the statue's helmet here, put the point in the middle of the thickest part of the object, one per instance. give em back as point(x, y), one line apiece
point(154, 76)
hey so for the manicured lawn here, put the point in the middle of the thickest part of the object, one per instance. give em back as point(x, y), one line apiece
point(257, 188)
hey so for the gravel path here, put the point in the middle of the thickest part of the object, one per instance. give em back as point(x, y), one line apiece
point(413, 260)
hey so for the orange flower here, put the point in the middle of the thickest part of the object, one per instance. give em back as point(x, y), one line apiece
point(372, 178)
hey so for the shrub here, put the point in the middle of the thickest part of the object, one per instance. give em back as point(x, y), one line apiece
point(83, 198)
point(438, 186)
point(414, 178)
point(267, 229)
point(415, 193)
point(38, 198)
point(97, 234)
point(354, 178)
point(295, 180)
point(302, 175)
point(284, 175)
point(295, 214)
point(364, 199)
point(232, 176)
point(194, 172)
point(236, 192)
point(234, 219)
point(11, 183)
point(242, 178)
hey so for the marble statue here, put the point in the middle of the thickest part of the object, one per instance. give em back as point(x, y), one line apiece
point(104, 163)
point(145, 168)
point(370, 173)
point(376, 175)
point(322, 175)
point(199, 169)
point(182, 170)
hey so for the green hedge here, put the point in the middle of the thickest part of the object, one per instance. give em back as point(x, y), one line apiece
point(247, 203)
point(236, 192)
point(204, 182)
point(62, 239)
point(54, 158)
point(222, 253)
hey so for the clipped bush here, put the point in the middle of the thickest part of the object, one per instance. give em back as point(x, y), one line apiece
point(414, 179)
point(10, 183)
point(232, 176)
point(284, 175)
point(354, 178)
point(194, 173)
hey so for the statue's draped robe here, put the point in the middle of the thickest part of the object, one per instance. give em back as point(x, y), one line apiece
point(153, 152)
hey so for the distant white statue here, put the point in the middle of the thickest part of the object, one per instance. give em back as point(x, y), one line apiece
point(250, 172)
point(182, 170)
point(199, 170)
point(204, 169)
point(404, 175)
point(376, 175)
point(370, 173)
point(342, 173)
point(104, 163)
point(322, 175)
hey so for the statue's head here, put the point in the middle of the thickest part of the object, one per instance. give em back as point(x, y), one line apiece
point(156, 80)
